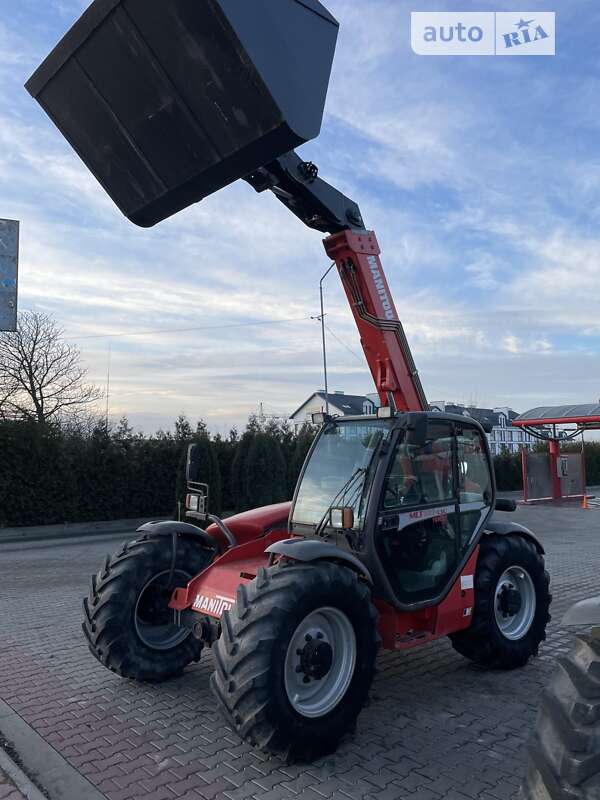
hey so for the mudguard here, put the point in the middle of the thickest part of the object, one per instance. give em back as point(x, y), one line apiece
point(586, 612)
point(170, 527)
point(307, 550)
point(495, 528)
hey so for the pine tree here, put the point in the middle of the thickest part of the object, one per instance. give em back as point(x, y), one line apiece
point(265, 472)
point(183, 429)
point(303, 442)
point(241, 502)
point(123, 432)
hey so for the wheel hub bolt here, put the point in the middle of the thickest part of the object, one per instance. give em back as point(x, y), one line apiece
point(509, 601)
point(316, 659)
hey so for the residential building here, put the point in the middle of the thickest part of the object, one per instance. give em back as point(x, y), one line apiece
point(503, 435)
point(340, 404)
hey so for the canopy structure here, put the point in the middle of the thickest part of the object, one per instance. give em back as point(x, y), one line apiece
point(584, 417)
point(554, 475)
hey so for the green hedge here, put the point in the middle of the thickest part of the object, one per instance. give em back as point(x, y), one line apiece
point(509, 475)
point(592, 460)
point(48, 475)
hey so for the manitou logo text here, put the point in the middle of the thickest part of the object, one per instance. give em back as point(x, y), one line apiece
point(213, 605)
point(388, 309)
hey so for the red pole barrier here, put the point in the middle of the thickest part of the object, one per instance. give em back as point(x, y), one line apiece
point(554, 455)
point(583, 466)
point(524, 474)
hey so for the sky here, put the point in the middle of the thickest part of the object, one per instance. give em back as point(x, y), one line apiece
point(480, 175)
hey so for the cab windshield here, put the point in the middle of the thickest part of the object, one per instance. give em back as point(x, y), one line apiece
point(340, 471)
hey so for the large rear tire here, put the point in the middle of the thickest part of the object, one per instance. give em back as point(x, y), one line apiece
point(564, 762)
point(296, 658)
point(127, 622)
point(512, 601)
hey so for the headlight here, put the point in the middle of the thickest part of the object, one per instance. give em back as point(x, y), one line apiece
point(192, 502)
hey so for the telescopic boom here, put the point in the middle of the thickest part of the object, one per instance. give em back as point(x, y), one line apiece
point(356, 254)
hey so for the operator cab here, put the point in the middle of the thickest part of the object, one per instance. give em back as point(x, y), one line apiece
point(408, 495)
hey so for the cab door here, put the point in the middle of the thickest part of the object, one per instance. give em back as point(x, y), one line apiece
point(435, 497)
point(475, 483)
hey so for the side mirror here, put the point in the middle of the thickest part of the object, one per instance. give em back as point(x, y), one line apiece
point(196, 502)
point(416, 432)
point(192, 471)
point(504, 504)
point(320, 419)
point(342, 518)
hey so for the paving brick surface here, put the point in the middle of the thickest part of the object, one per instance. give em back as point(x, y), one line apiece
point(8, 790)
point(436, 727)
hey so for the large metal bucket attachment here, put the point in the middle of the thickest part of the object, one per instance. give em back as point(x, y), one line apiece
point(167, 101)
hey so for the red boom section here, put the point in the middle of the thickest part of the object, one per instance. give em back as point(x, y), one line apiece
point(381, 333)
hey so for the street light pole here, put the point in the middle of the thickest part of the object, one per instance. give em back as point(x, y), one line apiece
point(323, 337)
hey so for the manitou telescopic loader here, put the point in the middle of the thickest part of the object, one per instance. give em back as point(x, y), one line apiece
point(390, 536)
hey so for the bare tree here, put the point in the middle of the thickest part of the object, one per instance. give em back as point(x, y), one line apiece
point(41, 377)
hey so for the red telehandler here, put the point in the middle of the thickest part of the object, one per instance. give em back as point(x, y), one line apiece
point(391, 536)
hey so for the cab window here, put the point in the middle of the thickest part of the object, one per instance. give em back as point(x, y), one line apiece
point(422, 474)
point(475, 483)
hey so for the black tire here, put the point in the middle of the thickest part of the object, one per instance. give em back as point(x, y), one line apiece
point(111, 608)
point(250, 657)
point(484, 643)
point(564, 762)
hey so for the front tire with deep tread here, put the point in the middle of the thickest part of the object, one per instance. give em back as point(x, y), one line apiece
point(109, 622)
point(483, 642)
point(250, 657)
point(564, 762)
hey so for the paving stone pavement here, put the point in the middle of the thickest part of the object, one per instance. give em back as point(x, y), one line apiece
point(8, 791)
point(436, 727)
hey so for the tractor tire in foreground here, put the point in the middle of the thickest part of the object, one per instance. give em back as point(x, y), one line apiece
point(564, 762)
point(512, 602)
point(296, 658)
point(127, 622)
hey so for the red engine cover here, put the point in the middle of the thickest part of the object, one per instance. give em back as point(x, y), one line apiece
point(254, 524)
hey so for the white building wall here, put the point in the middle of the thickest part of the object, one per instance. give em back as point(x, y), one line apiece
point(503, 436)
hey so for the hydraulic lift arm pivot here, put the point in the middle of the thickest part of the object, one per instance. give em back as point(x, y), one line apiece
point(356, 253)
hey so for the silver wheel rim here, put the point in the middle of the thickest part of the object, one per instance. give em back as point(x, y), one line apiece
point(514, 603)
point(324, 635)
point(161, 636)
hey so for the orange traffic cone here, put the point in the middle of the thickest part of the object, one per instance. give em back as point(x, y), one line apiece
point(586, 502)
